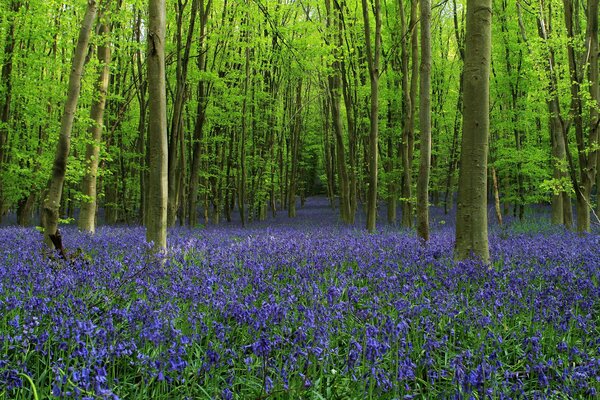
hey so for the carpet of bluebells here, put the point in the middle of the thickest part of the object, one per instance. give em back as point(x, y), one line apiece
point(302, 310)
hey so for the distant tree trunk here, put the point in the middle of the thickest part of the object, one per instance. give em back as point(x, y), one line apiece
point(244, 123)
point(200, 120)
point(449, 192)
point(295, 144)
point(87, 214)
point(562, 212)
point(424, 123)
point(471, 216)
point(373, 56)
point(176, 170)
point(156, 227)
point(496, 197)
point(411, 102)
point(51, 203)
point(334, 80)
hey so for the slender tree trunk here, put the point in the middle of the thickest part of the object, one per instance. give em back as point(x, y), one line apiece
point(373, 56)
point(52, 201)
point(405, 190)
point(243, 173)
point(449, 192)
point(562, 211)
point(424, 123)
point(496, 197)
point(176, 132)
point(593, 170)
point(295, 144)
point(471, 217)
point(87, 214)
point(333, 20)
point(203, 89)
point(156, 228)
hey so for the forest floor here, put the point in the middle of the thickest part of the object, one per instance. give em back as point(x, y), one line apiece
point(300, 309)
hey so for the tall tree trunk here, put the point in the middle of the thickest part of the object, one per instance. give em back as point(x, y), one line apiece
point(176, 132)
point(5, 103)
point(87, 214)
point(471, 216)
point(424, 123)
point(243, 174)
point(562, 211)
point(141, 88)
point(334, 80)
point(593, 170)
point(203, 89)
point(373, 56)
point(586, 153)
point(409, 134)
point(156, 227)
point(51, 203)
point(459, 36)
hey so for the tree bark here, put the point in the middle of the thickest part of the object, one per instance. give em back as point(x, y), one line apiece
point(410, 101)
point(373, 56)
point(334, 80)
point(496, 197)
point(5, 103)
point(424, 123)
point(471, 216)
point(156, 227)
point(586, 153)
point(176, 171)
point(51, 205)
point(87, 214)
point(295, 144)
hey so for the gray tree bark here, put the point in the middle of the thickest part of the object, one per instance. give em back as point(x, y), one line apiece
point(471, 216)
point(156, 227)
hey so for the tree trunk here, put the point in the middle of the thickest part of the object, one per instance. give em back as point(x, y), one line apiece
point(411, 102)
point(243, 173)
point(471, 216)
point(51, 203)
point(177, 138)
point(587, 158)
point(424, 123)
point(156, 228)
point(333, 20)
point(562, 211)
point(87, 214)
point(295, 144)
point(496, 197)
point(459, 36)
point(5, 103)
point(373, 56)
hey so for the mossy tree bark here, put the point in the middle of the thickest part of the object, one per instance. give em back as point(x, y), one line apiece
point(51, 204)
point(471, 216)
point(156, 227)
